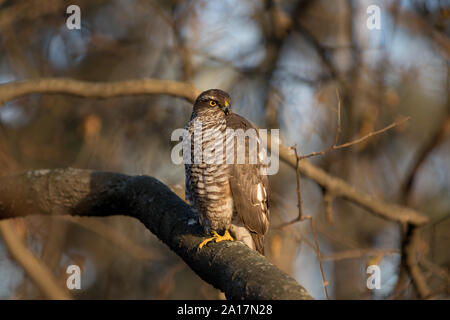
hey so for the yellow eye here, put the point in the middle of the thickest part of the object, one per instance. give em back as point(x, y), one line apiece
point(212, 103)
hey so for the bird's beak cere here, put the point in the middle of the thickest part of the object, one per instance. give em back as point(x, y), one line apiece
point(227, 109)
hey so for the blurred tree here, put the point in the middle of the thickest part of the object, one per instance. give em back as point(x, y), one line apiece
point(281, 61)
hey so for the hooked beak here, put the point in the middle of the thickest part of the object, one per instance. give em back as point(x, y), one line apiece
point(227, 109)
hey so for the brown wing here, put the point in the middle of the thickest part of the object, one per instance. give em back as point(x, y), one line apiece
point(250, 190)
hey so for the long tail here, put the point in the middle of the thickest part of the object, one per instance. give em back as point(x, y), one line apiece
point(258, 240)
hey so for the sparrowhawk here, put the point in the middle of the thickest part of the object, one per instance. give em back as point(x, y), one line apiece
point(228, 189)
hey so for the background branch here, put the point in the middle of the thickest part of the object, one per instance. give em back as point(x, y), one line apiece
point(33, 267)
point(340, 188)
point(88, 89)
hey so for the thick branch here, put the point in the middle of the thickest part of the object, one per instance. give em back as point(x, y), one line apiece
point(232, 267)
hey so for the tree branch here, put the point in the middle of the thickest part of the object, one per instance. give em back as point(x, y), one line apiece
point(88, 89)
point(411, 250)
point(232, 267)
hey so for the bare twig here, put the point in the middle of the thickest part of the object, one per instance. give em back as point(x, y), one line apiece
point(335, 144)
point(319, 256)
point(302, 217)
point(341, 189)
point(299, 192)
point(336, 138)
point(331, 188)
point(371, 134)
point(358, 253)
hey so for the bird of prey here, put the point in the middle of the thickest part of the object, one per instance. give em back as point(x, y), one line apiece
point(228, 189)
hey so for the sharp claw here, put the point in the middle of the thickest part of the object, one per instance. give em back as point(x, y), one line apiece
point(204, 242)
point(217, 238)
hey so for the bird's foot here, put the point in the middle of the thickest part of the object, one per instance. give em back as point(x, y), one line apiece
point(217, 238)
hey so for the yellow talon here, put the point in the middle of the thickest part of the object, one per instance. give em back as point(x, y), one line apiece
point(217, 238)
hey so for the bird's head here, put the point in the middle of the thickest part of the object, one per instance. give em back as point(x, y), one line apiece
point(214, 102)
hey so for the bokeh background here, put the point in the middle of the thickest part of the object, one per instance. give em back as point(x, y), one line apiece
point(281, 61)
